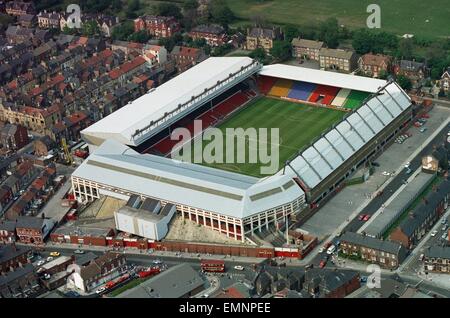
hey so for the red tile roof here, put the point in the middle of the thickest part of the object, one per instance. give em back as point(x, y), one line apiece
point(126, 67)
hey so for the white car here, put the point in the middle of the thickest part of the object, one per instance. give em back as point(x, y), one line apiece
point(434, 233)
point(322, 249)
point(100, 290)
point(385, 173)
point(40, 263)
point(407, 165)
point(49, 259)
point(331, 249)
point(239, 267)
point(444, 236)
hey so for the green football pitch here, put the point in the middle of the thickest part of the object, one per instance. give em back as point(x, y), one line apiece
point(298, 125)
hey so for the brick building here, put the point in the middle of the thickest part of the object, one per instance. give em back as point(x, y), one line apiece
point(337, 59)
point(306, 49)
point(213, 34)
point(186, 57)
point(33, 230)
point(157, 26)
point(262, 38)
point(384, 253)
point(13, 256)
point(18, 8)
point(104, 268)
point(412, 229)
point(437, 259)
point(374, 64)
point(13, 137)
point(7, 231)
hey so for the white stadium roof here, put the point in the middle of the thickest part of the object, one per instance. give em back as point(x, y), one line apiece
point(232, 194)
point(123, 123)
point(329, 152)
point(341, 80)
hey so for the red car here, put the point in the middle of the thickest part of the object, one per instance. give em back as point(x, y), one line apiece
point(322, 263)
point(366, 217)
point(361, 217)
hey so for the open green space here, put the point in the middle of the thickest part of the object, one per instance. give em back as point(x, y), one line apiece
point(423, 18)
point(298, 125)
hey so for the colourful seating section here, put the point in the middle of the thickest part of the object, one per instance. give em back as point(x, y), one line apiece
point(301, 90)
point(265, 83)
point(341, 97)
point(304, 91)
point(323, 94)
point(208, 118)
point(355, 99)
point(281, 88)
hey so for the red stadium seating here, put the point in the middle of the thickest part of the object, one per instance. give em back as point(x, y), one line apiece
point(208, 118)
point(265, 83)
point(328, 93)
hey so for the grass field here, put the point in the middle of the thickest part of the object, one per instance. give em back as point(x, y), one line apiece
point(298, 124)
point(397, 16)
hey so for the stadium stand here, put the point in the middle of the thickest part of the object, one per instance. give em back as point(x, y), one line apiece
point(340, 98)
point(301, 90)
point(355, 99)
point(281, 88)
point(265, 83)
point(208, 118)
point(323, 94)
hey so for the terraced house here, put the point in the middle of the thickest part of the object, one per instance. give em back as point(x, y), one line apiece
point(437, 259)
point(384, 253)
point(423, 217)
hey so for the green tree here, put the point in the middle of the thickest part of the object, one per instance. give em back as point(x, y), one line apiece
point(220, 13)
point(290, 32)
point(140, 36)
point(405, 48)
point(281, 50)
point(123, 31)
point(404, 82)
point(258, 54)
point(329, 32)
point(168, 10)
point(190, 5)
point(90, 28)
point(366, 40)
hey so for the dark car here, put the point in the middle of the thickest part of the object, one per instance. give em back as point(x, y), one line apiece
point(375, 164)
point(72, 294)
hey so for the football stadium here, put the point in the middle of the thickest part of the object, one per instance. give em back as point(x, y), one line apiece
point(330, 125)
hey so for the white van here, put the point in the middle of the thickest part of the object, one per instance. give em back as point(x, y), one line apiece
point(331, 249)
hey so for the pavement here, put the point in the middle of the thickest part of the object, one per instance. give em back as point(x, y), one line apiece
point(53, 208)
point(339, 214)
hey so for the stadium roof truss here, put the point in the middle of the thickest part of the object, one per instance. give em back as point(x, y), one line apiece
point(328, 153)
point(171, 101)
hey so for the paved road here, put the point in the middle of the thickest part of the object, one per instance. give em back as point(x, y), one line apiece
point(389, 189)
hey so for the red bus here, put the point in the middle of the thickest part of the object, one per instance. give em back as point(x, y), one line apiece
point(210, 265)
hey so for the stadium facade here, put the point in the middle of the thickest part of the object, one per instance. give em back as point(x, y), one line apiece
point(236, 205)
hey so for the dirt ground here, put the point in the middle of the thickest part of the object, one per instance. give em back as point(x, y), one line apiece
point(186, 230)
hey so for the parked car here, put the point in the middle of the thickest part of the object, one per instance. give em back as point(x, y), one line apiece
point(55, 254)
point(49, 259)
point(385, 173)
point(375, 164)
point(322, 263)
point(361, 217)
point(239, 267)
point(72, 294)
point(444, 227)
point(331, 250)
point(40, 263)
point(366, 217)
point(433, 233)
point(100, 290)
point(423, 129)
point(78, 252)
point(444, 236)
